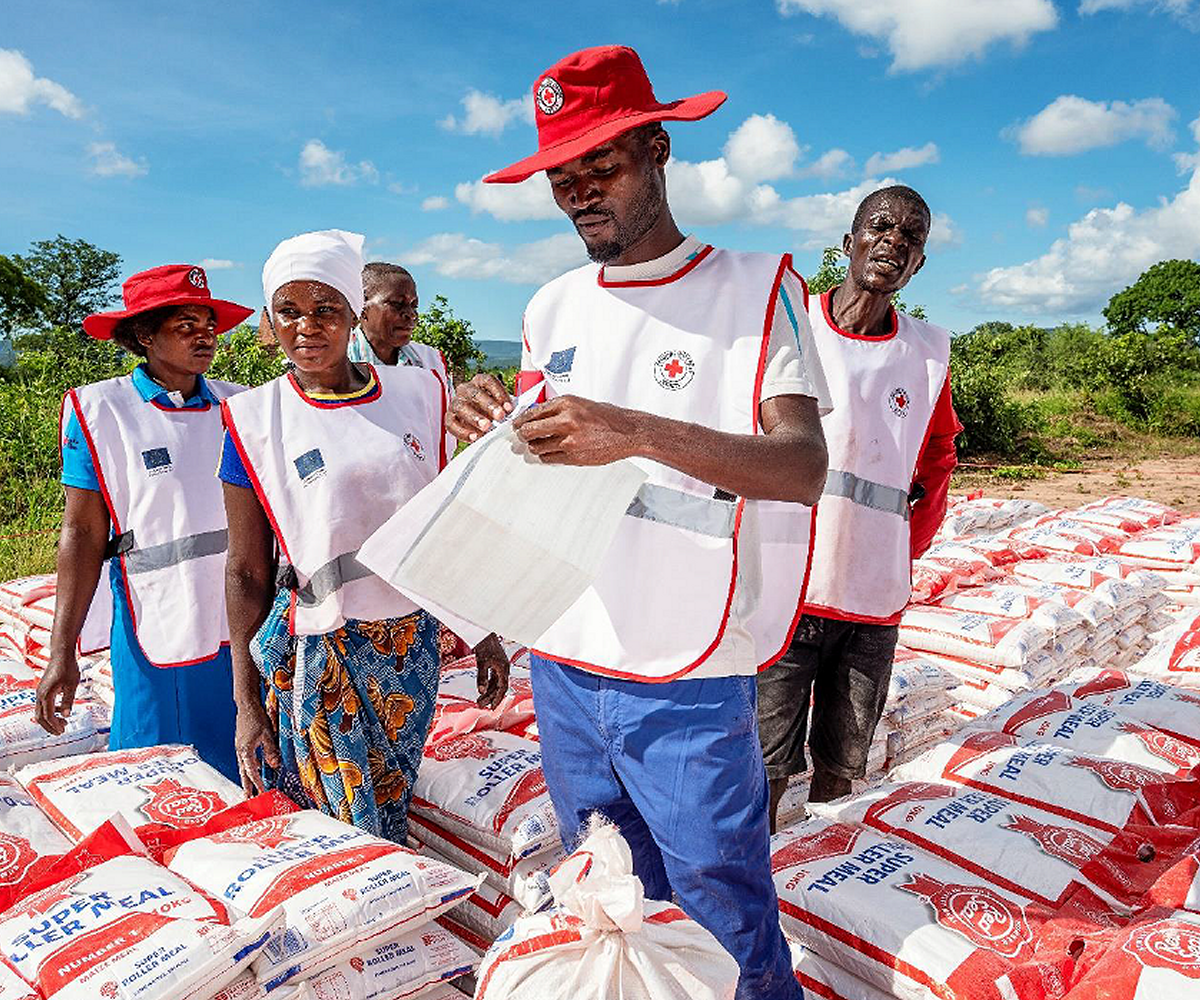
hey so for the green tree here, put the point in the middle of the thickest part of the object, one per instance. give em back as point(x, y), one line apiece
point(21, 298)
point(438, 327)
point(77, 277)
point(1166, 295)
point(241, 357)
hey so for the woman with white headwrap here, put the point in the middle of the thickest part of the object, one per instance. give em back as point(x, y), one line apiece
point(335, 672)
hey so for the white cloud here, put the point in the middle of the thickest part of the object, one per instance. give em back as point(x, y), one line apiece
point(486, 114)
point(455, 255)
point(1071, 124)
point(19, 88)
point(531, 199)
point(320, 165)
point(835, 163)
point(762, 148)
point(921, 34)
point(902, 159)
point(217, 264)
point(1173, 6)
point(108, 161)
point(1187, 162)
point(1037, 216)
point(1102, 253)
point(435, 203)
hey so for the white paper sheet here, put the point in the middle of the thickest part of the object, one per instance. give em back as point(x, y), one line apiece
point(501, 542)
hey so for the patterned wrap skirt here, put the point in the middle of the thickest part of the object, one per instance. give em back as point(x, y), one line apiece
point(352, 709)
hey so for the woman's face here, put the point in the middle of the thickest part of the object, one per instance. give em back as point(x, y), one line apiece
point(313, 322)
point(186, 341)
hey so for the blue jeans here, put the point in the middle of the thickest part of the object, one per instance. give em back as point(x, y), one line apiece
point(678, 768)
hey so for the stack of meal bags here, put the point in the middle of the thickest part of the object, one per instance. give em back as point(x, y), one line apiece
point(1049, 850)
point(480, 800)
point(23, 741)
point(335, 911)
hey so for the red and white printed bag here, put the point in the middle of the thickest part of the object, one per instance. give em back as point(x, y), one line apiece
point(1108, 795)
point(1175, 657)
point(29, 842)
point(827, 980)
point(488, 789)
point(1004, 642)
point(24, 742)
point(1168, 707)
point(1032, 854)
point(108, 922)
point(1088, 727)
point(164, 786)
point(13, 987)
point(342, 890)
point(457, 711)
point(1015, 601)
point(910, 923)
point(1155, 958)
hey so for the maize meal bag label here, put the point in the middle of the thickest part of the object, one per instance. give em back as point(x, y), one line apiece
point(1155, 958)
point(1028, 852)
point(909, 922)
point(167, 786)
point(1004, 642)
point(1016, 602)
point(28, 840)
point(23, 741)
point(342, 889)
point(1091, 728)
point(489, 789)
point(1168, 707)
point(125, 928)
point(457, 711)
point(1094, 791)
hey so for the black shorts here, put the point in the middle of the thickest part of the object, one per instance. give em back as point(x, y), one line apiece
point(843, 669)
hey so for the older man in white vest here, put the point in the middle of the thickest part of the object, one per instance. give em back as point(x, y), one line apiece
point(697, 364)
point(891, 450)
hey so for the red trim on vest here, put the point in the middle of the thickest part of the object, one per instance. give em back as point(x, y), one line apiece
point(845, 616)
point(442, 436)
point(87, 435)
point(329, 404)
point(800, 608)
point(826, 299)
point(650, 282)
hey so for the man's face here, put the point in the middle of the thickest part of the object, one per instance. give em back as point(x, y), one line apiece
point(390, 314)
point(615, 193)
point(889, 246)
point(187, 340)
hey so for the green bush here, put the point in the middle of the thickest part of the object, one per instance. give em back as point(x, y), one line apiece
point(992, 422)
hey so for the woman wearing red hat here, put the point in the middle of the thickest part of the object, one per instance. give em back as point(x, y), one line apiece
point(138, 453)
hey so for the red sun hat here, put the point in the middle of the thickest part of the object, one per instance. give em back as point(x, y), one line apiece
point(168, 285)
point(590, 98)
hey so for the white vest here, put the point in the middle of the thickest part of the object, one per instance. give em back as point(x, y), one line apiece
point(328, 474)
point(884, 393)
point(156, 469)
point(693, 348)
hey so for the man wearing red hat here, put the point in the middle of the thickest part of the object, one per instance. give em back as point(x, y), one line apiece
point(139, 453)
point(697, 364)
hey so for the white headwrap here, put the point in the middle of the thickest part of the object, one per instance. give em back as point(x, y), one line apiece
point(331, 255)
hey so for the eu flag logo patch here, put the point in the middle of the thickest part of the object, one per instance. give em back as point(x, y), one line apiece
point(157, 461)
point(310, 465)
point(559, 366)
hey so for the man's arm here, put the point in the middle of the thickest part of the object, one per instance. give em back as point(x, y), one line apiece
point(787, 462)
point(937, 460)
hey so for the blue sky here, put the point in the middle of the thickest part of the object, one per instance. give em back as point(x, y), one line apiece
point(1056, 140)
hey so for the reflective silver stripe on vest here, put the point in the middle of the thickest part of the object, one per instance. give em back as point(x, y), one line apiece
point(206, 543)
point(865, 493)
point(330, 578)
point(703, 515)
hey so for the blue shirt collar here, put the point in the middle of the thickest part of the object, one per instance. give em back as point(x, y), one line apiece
point(151, 390)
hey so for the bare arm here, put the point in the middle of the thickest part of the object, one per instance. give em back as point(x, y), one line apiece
point(249, 591)
point(788, 462)
point(81, 547)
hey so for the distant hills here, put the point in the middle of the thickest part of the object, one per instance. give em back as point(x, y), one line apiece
point(501, 353)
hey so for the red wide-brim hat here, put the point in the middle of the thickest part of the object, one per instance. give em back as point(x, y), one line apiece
point(168, 285)
point(590, 98)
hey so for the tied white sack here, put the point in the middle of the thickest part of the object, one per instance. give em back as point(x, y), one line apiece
point(604, 940)
point(501, 542)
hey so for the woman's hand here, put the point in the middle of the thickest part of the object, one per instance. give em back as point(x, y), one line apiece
point(56, 693)
point(254, 732)
point(491, 672)
point(476, 406)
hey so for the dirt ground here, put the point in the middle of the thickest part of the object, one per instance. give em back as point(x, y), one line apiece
point(1171, 480)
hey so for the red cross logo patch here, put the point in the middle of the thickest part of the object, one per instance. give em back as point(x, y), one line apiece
point(674, 369)
point(549, 96)
point(899, 401)
point(414, 446)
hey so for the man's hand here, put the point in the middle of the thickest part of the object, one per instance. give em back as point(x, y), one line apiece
point(56, 694)
point(570, 430)
point(491, 677)
point(254, 732)
point(476, 406)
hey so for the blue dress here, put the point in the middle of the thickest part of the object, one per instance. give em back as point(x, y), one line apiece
point(192, 704)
